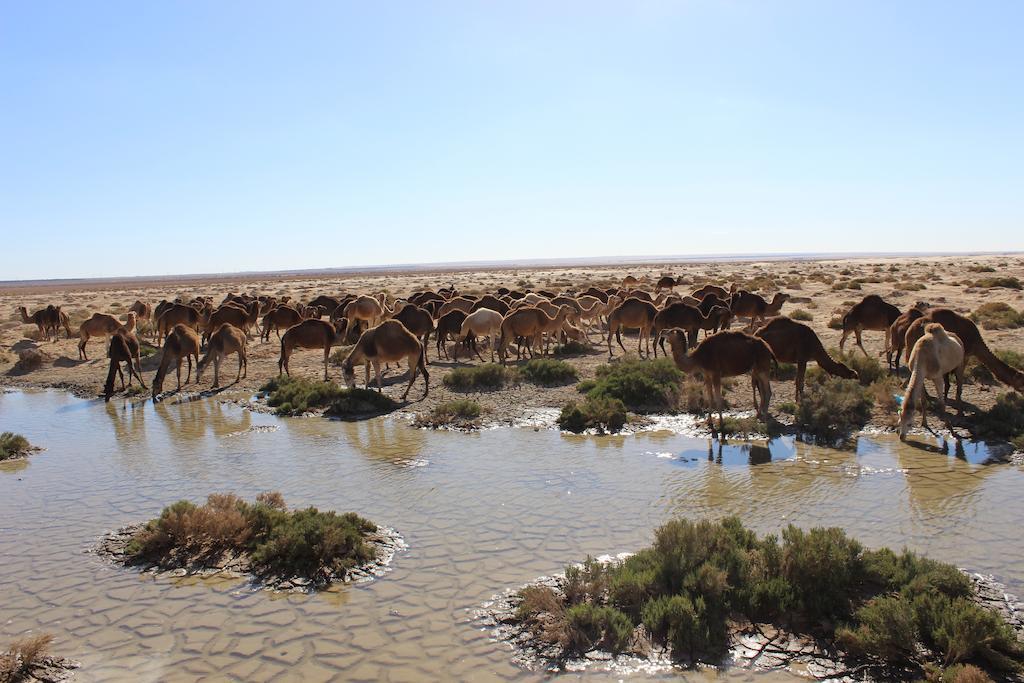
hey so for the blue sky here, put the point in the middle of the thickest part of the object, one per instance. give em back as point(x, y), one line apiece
point(159, 138)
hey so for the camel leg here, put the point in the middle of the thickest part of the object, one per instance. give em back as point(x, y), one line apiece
point(327, 355)
point(709, 393)
point(216, 371)
point(801, 370)
point(413, 370)
point(766, 395)
point(413, 363)
point(121, 374)
point(376, 371)
point(178, 373)
point(719, 401)
point(609, 342)
point(490, 342)
point(188, 378)
point(366, 366)
point(861, 343)
point(243, 362)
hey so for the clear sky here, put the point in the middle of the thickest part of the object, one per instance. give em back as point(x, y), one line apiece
point(143, 138)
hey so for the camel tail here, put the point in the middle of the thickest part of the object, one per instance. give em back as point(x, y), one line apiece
point(1003, 372)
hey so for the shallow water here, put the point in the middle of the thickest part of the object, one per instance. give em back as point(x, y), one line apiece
point(480, 512)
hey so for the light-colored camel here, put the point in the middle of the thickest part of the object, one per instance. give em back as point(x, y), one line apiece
point(364, 309)
point(310, 334)
point(224, 341)
point(177, 314)
point(727, 354)
point(483, 322)
point(934, 355)
point(793, 342)
point(102, 325)
point(970, 336)
point(124, 347)
point(281, 318)
point(527, 324)
point(632, 313)
point(753, 306)
point(387, 343)
point(870, 313)
point(46, 320)
point(182, 343)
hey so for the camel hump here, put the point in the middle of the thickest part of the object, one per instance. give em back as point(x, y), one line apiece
point(934, 328)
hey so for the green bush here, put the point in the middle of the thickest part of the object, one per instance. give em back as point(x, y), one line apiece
point(867, 367)
point(488, 376)
point(997, 315)
point(642, 385)
point(801, 314)
point(548, 372)
point(1007, 282)
point(685, 589)
point(13, 445)
point(356, 401)
point(1004, 420)
point(602, 413)
point(462, 408)
point(305, 543)
point(297, 395)
point(833, 409)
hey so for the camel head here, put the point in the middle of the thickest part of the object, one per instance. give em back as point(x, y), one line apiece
point(348, 372)
point(677, 338)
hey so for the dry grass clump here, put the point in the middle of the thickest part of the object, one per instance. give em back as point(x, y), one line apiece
point(992, 282)
point(29, 360)
point(462, 412)
point(997, 315)
point(306, 543)
point(17, 662)
point(801, 314)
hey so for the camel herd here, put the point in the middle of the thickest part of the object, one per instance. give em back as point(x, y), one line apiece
point(935, 341)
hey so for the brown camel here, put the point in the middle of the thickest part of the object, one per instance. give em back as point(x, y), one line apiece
point(364, 309)
point(46, 320)
point(632, 313)
point(143, 312)
point(793, 342)
point(666, 282)
point(491, 302)
point(898, 336)
point(227, 314)
point(177, 314)
point(749, 305)
point(224, 341)
point(418, 321)
point(280, 318)
point(680, 316)
point(124, 347)
point(720, 292)
point(727, 354)
point(448, 325)
point(629, 281)
point(65, 322)
point(871, 313)
point(182, 343)
point(310, 334)
point(970, 338)
point(388, 342)
point(101, 325)
point(528, 323)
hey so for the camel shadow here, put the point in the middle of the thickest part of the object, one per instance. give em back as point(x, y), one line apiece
point(68, 362)
point(24, 345)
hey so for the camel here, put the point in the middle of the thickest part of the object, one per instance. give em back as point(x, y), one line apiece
point(716, 318)
point(666, 282)
point(182, 343)
point(871, 313)
point(65, 322)
point(101, 325)
point(748, 305)
point(528, 323)
point(483, 322)
point(727, 354)
point(418, 321)
point(177, 314)
point(678, 316)
point(934, 355)
point(224, 341)
point(793, 342)
point(280, 318)
point(388, 342)
point(364, 309)
point(448, 325)
point(46, 320)
point(310, 334)
point(720, 292)
point(629, 281)
point(897, 337)
point(973, 344)
point(143, 312)
point(227, 314)
point(491, 302)
point(124, 347)
point(632, 313)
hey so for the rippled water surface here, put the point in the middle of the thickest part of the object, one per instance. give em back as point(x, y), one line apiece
point(480, 512)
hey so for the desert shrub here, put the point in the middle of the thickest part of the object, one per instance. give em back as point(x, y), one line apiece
point(306, 543)
point(746, 426)
point(296, 395)
point(571, 348)
point(886, 631)
point(339, 355)
point(787, 407)
point(835, 323)
point(459, 408)
point(356, 401)
point(690, 396)
point(643, 386)
point(488, 376)
point(867, 367)
point(981, 269)
point(1004, 420)
point(801, 314)
point(548, 372)
point(833, 409)
point(963, 673)
point(997, 315)
point(146, 350)
point(824, 567)
point(29, 360)
point(978, 372)
point(19, 658)
point(1006, 282)
point(589, 625)
point(784, 372)
point(13, 445)
point(602, 413)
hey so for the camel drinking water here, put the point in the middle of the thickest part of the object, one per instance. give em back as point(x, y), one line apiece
point(794, 342)
point(182, 343)
point(224, 341)
point(388, 342)
point(124, 347)
point(934, 355)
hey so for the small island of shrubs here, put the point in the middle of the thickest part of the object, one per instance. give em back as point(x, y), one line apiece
point(704, 584)
point(297, 396)
point(28, 659)
point(14, 446)
point(277, 547)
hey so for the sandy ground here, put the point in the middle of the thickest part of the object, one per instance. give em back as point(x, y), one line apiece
point(947, 281)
